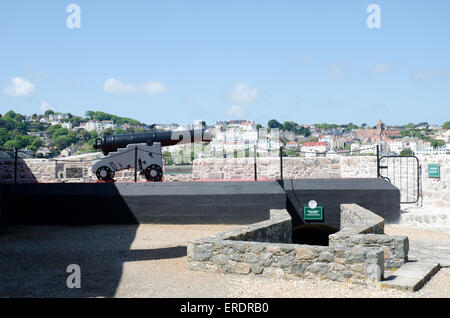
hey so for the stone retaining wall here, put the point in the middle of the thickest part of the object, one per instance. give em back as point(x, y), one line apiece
point(52, 170)
point(255, 250)
point(362, 228)
point(435, 191)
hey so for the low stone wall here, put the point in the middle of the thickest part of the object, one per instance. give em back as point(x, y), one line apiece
point(362, 228)
point(53, 170)
point(357, 220)
point(244, 252)
point(436, 191)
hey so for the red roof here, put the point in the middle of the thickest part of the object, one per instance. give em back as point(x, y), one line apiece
point(314, 144)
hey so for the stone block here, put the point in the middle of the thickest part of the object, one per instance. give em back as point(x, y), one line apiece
point(251, 257)
point(299, 268)
point(273, 272)
point(243, 268)
point(203, 252)
point(325, 257)
point(220, 259)
point(319, 268)
point(374, 272)
point(304, 253)
point(257, 268)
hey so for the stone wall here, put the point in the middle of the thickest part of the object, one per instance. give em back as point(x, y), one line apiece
point(435, 191)
point(54, 170)
point(362, 228)
point(255, 250)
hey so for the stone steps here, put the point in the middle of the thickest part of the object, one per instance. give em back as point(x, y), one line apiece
point(411, 276)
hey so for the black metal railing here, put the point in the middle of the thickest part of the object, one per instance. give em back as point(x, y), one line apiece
point(402, 171)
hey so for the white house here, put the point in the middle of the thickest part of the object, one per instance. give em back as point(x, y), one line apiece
point(311, 147)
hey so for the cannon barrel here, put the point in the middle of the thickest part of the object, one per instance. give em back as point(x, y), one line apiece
point(109, 143)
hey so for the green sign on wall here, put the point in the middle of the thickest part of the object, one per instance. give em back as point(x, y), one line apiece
point(315, 214)
point(433, 170)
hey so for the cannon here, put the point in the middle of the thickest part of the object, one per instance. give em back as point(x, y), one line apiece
point(141, 151)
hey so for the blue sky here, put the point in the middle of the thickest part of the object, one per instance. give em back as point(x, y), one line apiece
point(182, 60)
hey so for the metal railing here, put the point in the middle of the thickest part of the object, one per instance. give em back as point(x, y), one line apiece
point(404, 172)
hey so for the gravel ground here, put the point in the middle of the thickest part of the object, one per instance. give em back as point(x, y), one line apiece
point(150, 261)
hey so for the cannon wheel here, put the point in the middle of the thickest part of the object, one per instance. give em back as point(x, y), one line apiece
point(105, 174)
point(153, 173)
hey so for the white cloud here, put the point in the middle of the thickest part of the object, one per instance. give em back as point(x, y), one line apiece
point(242, 94)
point(380, 68)
point(19, 87)
point(116, 86)
point(235, 111)
point(45, 106)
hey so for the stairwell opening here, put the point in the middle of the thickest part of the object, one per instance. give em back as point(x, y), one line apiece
point(312, 234)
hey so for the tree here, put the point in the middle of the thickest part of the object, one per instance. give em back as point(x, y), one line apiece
point(273, 123)
point(406, 152)
point(5, 135)
point(49, 112)
point(90, 114)
point(437, 143)
point(258, 126)
point(10, 114)
point(351, 126)
point(424, 123)
point(119, 131)
point(446, 125)
point(289, 125)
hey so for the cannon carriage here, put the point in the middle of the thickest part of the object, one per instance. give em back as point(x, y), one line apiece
point(141, 152)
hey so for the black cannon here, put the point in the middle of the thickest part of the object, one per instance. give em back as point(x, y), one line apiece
point(141, 151)
point(108, 143)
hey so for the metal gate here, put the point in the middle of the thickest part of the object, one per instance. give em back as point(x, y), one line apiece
point(404, 172)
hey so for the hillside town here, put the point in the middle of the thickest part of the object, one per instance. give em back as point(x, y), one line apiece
point(62, 135)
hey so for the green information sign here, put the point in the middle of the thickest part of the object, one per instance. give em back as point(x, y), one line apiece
point(433, 170)
point(315, 214)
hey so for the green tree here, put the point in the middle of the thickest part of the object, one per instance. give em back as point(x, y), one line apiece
point(446, 125)
point(119, 131)
point(437, 143)
point(406, 152)
point(273, 123)
point(10, 114)
point(5, 135)
point(289, 125)
point(49, 112)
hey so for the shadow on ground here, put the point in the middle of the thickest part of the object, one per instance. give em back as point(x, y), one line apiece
point(34, 260)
